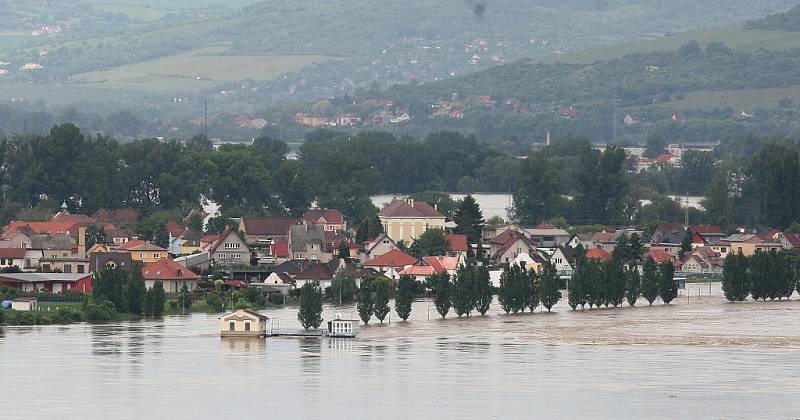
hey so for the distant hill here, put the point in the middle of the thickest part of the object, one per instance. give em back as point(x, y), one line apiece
point(787, 21)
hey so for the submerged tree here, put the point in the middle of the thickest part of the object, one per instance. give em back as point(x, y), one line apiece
point(464, 291)
point(483, 290)
point(735, 282)
point(632, 285)
point(405, 296)
point(366, 304)
point(668, 290)
point(310, 312)
point(383, 291)
point(548, 286)
point(442, 294)
point(650, 280)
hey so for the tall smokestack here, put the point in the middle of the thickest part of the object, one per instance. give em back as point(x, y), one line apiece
point(547, 141)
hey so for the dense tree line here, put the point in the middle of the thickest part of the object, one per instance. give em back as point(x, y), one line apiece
point(764, 275)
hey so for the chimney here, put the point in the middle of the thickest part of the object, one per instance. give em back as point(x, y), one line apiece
point(436, 207)
point(410, 201)
point(547, 141)
point(82, 242)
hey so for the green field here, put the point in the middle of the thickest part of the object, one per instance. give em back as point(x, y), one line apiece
point(181, 71)
point(733, 36)
point(156, 9)
point(12, 40)
point(739, 100)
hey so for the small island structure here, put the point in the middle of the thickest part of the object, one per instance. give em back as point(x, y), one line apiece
point(344, 328)
point(243, 323)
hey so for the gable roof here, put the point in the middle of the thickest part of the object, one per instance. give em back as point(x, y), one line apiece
point(116, 216)
point(51, 242)
point(165, 269)
point(222, 237)
point(265, 226)
point(245, 312)
point(174, 229)
point(13, 253)
point(318, 271)
point(332, 216)
point(302, 235)
point(53, 228)
point(705, 229)
point(598, 254)
point(393, 258)
point(410, 209)
point(140, 245)
point(458, 243)
point(67, 217)
point(793, 238)
point(658, 255)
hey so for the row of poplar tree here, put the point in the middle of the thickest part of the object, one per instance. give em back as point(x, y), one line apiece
point(764, 275)
point(611, 282)
point(124, 291)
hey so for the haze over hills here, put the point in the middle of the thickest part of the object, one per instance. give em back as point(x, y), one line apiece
point(161, 58)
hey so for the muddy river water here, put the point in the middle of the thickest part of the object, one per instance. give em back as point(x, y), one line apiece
point(697, 358)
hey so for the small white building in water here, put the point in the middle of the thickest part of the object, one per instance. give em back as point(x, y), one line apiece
point(342, 327)
point(243, 323)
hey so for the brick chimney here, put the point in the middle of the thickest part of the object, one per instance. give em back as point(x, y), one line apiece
point(82, 242)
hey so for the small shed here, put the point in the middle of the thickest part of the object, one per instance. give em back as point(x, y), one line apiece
point(25, 304)
point(339, 327)
point(243, 323)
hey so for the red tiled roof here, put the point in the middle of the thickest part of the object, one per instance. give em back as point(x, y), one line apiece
point(332, 216)
point(209, 239)
point(598, 254)
point(167, 270)
point(116, 216)
point(175, 229)
point(260, 226)
point(13, 253)
point(604, 237)
point(457, 243)
point(280, 250)
point(393, 258)
point(133, 243)
point(402, 208)
point(793, 238)
point(53, 228)
point(705, 229)
point(67, 217)
point(664, 157)
point(658, 255)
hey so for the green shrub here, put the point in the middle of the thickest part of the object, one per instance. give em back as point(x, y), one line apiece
point(243, 304)
point(100, 312)
point(275, 298)
point(214, 300)
point(173, 304)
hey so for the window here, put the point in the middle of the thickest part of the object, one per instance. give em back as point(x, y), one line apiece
point(141, 255)
point(740, 250)
point(156, 255)
point(67, 268)
point(235, 256)
point(313, 256)
point(231, 246)
point(81, 269)
point(46, 267)
point(247, 326)
point(231, 326)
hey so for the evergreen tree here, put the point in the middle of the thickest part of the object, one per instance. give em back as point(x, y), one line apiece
point(310, 312)
point(383, 291)
point(650, 280)
point(548, 286)
point(136, 291)
point(483, 290)
point(529, 289)
point(464, 291)
point(615, 280)
point(632, 285)
point(576, 290)
point(405, 296)
point(369, 229)
point(184, 298)
point(735, 280)
point(789, 273)
point(344, 250)
point(599, 281)
point(760, 275)
point(505, 294)
point(442, 294)
point(686, 244)
point(366, 304)
point(159, 298)
point(635, 248)
point(343, 287)
point(469, 219)
point(148, 302)
point(622, 252)
point(667, 288)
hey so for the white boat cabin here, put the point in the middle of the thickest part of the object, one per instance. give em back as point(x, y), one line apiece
point(342, 327)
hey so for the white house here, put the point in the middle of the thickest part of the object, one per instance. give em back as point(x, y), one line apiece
point(243, 323)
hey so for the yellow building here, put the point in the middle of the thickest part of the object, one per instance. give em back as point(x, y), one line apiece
point(747, 244)
point(144, 252)
point(407, 220)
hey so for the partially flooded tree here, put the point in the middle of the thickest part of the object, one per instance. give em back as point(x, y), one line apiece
point(650, 280)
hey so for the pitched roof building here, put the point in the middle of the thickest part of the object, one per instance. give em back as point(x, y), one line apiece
point(407, 220)
point(173, 275)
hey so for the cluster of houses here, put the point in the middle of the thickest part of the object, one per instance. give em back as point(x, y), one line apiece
point(281, 253)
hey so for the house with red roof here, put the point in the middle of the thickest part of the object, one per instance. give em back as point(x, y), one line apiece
point(505, 247)
point(408, 219)
point(598, 254)
point(332, 220)
point(428, 266)
point(12, 257)
point(394, 260)
point(789, 240)
point(458, 244)
point(265, 230)
point(173, 275)
point(659, 256)
point(116, 217)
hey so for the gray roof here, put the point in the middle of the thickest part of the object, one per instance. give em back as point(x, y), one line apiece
point(547, 232)
point(51, 242)
point(43, 277)
point(739, 237)
point(302, 235)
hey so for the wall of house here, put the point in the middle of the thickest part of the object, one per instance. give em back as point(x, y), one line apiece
point(232, 250)
point(257, 327)
point(378, 250)
point(408, 229)
point(148, 256)
point(172, 286)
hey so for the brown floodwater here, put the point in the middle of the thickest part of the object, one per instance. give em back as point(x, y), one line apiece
point(697, 358)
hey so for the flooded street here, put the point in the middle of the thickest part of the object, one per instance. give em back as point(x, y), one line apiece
point(701, 359)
